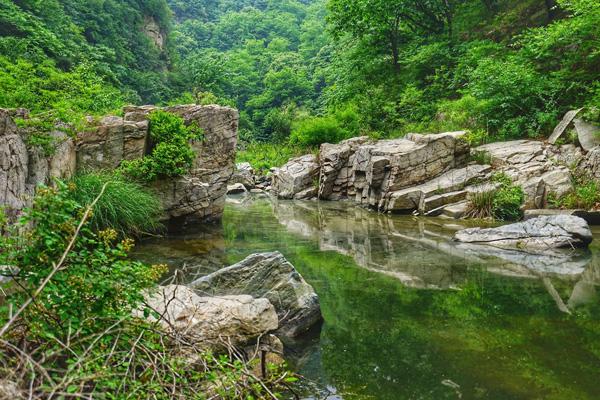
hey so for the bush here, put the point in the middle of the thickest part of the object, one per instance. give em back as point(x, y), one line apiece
point(314, 131)
point(586, 195)
point(95, 282)
point(126, 206)
point(171, 155)
point(507, 200)
point(74, 335)
point(502, 204)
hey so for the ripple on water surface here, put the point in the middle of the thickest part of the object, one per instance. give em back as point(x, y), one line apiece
point(408, 313)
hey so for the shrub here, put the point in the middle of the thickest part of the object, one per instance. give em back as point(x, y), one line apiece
point(502, 204)
point(507, 200)
point(74, 335)
point(126, 206)
point(96, 280)
point(171, 155)
point(586, 195)
point(314, 131)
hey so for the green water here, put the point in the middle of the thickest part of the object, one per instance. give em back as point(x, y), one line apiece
point(410, 315)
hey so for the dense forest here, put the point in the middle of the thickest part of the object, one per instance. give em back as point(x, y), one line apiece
point(306, 72)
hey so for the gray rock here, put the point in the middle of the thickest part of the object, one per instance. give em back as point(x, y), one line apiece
point(591, 217)
point(591, 163)
point(244, 174)
point(236, 188)
point(212, 321)
point(563, 125)
point(588, 134)
point(271, 276)
point(542, 233)
point(299, 175)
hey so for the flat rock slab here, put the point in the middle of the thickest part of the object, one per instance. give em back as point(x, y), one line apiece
point(563, 125)
point(542, 233)
point(271, 276)
point(591, 217)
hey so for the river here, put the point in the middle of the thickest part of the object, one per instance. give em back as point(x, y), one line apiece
point(408, 314)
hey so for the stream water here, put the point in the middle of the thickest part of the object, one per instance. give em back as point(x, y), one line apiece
point(408, 313)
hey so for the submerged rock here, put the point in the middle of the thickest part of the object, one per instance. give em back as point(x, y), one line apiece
point(546, 232)
point(212, 321)
point(271, 276)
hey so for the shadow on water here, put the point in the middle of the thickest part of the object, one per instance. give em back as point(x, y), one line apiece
point(408, 313)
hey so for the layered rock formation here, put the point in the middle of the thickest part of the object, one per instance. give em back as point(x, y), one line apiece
point(197, 196)
point(23, 167)
point(436, 174)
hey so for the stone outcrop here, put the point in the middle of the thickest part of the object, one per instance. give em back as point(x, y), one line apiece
point(196, 196)
point(271, 276)
point(212, 321)
point(113, 140)
point(371, 172)
point(243, 174)
point(540, 169)
point(23, 167)
point(541, 234)
point(298, 179)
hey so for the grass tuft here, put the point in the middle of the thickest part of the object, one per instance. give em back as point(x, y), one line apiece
point(126, 206)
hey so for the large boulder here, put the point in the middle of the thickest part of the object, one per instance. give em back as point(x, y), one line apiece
point(297, 179)
point(545, 232)
point(271, 276)
point(197, 196)
point(212, 321)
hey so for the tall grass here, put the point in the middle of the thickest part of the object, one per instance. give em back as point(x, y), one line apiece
point(126, 206)
point(481, 204)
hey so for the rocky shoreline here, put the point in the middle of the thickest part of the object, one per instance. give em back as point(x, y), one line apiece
point(434, 174)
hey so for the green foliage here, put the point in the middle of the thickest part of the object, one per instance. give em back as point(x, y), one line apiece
point(126, 206)
point(507, 200)
point(481, 204)
point(106, 37)
point(503, 203)
point(172, 154)
point(58, 95)
point(264, 156)
point(96, 282)
point(313, 131)
point(586, 195)
point(80, 331)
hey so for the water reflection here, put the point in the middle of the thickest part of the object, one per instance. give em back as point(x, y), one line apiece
point(421, 254)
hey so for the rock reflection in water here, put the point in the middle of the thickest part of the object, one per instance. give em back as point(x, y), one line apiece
point(421, 254)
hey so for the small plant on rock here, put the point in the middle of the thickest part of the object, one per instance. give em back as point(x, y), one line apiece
point(172, 154)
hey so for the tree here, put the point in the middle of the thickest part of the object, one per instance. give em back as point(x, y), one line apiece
point(387, 23)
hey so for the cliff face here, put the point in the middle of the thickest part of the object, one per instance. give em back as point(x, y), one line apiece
point(197, 196)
